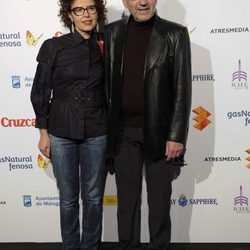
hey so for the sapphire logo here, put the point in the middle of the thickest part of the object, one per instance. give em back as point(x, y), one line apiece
point(27, 201)
point(205, 78)
point(183, 201)
point(239, 78)
point(241, 203)
point(16, 82)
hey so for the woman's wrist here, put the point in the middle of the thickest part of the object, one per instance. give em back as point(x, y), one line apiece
point(43, 132)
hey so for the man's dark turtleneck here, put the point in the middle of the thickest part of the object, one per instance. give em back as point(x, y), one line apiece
point(138, 36)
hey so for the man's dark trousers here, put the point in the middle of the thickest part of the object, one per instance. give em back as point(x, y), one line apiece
point(129, 163)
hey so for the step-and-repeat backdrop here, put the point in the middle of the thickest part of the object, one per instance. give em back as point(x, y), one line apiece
point(211, 197)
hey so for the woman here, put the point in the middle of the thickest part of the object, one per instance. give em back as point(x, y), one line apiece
point(68, 99)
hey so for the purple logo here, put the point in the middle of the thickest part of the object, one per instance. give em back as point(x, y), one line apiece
point(240, 200)
point(239, 78)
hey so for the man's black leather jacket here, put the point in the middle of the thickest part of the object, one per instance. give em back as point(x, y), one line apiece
point(167, 84)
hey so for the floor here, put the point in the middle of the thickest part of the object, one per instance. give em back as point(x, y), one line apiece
point(113, 246)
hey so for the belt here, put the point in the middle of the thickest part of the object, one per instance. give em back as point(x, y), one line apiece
point(88, 98)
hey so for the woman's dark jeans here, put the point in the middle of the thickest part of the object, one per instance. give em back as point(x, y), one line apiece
point(79, 170)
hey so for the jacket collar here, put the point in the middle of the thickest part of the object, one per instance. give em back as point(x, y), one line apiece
point(120, 43)
point(155, 46)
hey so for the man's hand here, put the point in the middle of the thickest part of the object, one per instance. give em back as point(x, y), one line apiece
point(44, 143)
point(173, 149)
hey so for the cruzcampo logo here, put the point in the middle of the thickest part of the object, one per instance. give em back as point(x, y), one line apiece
point(201, 118)
point(110, 200)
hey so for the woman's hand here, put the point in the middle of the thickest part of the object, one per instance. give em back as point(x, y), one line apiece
point(44, 143)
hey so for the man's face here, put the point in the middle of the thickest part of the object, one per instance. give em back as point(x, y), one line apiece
point(141, 10)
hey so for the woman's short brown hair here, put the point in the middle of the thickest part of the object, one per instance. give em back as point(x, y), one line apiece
point(65, 8)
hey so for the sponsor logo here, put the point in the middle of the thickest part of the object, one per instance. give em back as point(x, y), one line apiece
point(41, 201)
point(192, 30)
point(229, 159)
point(19, 122)
point(229, 30)
point(17, 163)
point(248, 158)
point(2, 203)
point(16, 81)
point(183, 201)
point(201, 118)
point(58, 34)
point(47, 201)
point(42, 162)
point(241, 203)
point(10, 40)
point(243, 114)
point(110, 200)
point(203, 78)
point(31, 40)
point(27, 201)
point(239, 78)
point(222, 159)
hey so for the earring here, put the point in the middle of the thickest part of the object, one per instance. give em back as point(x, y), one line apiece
point(72, 27)
point(97, 28)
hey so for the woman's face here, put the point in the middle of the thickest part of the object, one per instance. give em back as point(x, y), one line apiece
point(83, 14)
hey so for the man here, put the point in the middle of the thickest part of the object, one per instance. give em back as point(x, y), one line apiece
point(148, 73)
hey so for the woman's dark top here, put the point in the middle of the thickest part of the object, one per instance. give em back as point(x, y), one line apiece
point(68, 89)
